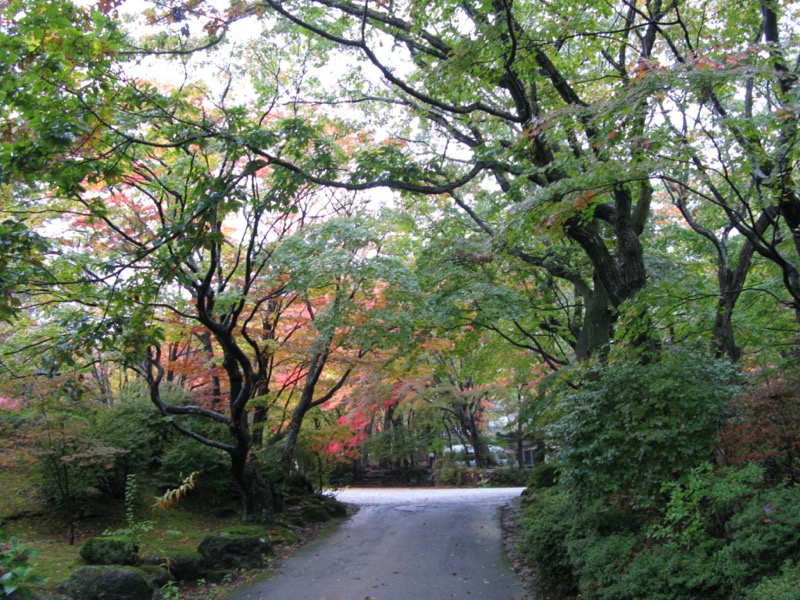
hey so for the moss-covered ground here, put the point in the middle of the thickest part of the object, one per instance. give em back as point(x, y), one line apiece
point(38, 525)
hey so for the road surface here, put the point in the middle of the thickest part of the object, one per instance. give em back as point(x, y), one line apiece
point(404, 544)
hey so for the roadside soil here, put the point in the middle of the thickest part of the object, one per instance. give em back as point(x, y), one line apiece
point(512, 532)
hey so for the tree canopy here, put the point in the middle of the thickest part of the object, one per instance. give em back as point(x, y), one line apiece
point(397, 217)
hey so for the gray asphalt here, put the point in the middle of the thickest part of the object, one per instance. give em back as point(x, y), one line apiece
point(404, 544)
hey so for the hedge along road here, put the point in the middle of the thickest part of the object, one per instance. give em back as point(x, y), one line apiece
point(404, 544)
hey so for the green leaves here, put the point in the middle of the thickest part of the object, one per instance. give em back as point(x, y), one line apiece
point(21, 261)
point(57, 57)
point(629, 426)
point(15, 572)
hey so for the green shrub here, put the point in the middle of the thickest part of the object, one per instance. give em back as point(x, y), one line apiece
point(601, 543)
point(764, 535)
point(270, 460)
point(508, 478)
point(785, 586)
point(135, 426)
point(669, 572)
point(16, 574)
point(109, 551)
point(542, 475)
point(184, 456)
point(630, 427)
point(548, 521)
point(599, 561)
point(72, 465)
point(13, 419)
point(446, 472)
point(698, 508)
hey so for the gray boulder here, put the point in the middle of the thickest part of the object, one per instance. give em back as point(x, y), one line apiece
point(108, 583)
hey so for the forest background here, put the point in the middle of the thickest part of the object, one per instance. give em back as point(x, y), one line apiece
point(280, 235)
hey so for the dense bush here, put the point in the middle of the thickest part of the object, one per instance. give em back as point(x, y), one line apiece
point(764, 535)
point(779, 587)
point(542, 475)
point(763, 427)
point(184, 456)
point(600, 552)
point(547, 524)
point(717, 537)
point(152, 445)
point(630, 427)
point(509, 477)
point(135, 426)
point(446, 472)
point(72, 465)
point(698, 508)
point(579, 546)
point(599, 560)
point(634, 506)
point(669, 572)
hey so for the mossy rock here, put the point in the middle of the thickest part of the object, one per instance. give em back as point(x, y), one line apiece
point(219, 576)
point(335, 508)
point(108, 583)
point(283, 535)
point(182, 564)
point(109, 551)
point(330, 504)
point(315, 513)
point(244, 531)
point(158, 575)
point(228, 550)
point(297, 521)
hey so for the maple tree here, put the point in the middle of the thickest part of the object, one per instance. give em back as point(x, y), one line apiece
point(727, 96)
point(188, 229)
point(565, 164)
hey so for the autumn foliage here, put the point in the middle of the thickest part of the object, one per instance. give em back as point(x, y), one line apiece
point(764, 428)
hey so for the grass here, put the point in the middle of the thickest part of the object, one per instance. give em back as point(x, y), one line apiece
point(25, 514)
point(38, 526)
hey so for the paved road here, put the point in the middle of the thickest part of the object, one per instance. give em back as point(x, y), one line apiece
point(404, 544)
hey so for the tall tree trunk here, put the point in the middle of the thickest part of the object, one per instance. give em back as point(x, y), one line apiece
point(469, 426)
point(594, 336)
point(208, 348)
point(258, 501)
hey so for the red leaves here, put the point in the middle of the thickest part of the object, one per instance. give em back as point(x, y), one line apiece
point(705, 62)
point(764, 428)
point(8, 404)
point(644, 66)
point(106, 6)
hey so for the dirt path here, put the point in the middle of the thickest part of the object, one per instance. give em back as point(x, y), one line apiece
point(404, 544)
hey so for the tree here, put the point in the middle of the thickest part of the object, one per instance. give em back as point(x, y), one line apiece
point(502, 100)
point(729, 104)
point(173, 223)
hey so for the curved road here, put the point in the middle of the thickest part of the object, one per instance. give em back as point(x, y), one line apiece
point(404, 544)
